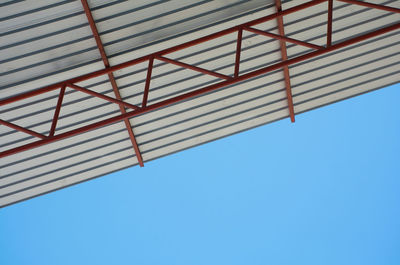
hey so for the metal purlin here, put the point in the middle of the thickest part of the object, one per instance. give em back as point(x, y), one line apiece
point(227, 80)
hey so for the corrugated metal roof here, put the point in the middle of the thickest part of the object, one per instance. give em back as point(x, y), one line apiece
point(44, 42)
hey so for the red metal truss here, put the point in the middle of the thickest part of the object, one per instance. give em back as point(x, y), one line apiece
point(113, 82)
point(227, 80)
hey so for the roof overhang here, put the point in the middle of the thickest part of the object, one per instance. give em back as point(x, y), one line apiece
point(170, 76)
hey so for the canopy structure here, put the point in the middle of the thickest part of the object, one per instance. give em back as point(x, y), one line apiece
point(89, 88)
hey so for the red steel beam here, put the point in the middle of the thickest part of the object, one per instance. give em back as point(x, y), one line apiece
point(370, 5)
point(113, 82)
point(330, 18)
point(22, 129)
point(285, 68)
point(283, 38)
point(127, 122)
point(160, 53)
point(57, 111)
point(147, 85)
point(201, 91)
point(95, 32)
point(238, 51)
point(194, 68)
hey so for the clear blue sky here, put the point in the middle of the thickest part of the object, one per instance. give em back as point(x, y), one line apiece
point(325, 190)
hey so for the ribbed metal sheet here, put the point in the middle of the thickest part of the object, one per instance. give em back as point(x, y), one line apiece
point(45, 42)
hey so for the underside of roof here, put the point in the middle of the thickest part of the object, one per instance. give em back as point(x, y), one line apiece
point(186, 73)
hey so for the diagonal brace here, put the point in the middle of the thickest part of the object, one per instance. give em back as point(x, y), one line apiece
point(370, 5)
point(282, 37)
point(57, 111)
point(22, 129)
point(147, 84)
point(192, 67)
point(99, 95)
point(238, 51)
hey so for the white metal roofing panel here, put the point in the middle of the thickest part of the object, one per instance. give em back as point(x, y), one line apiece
point(125, 28)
